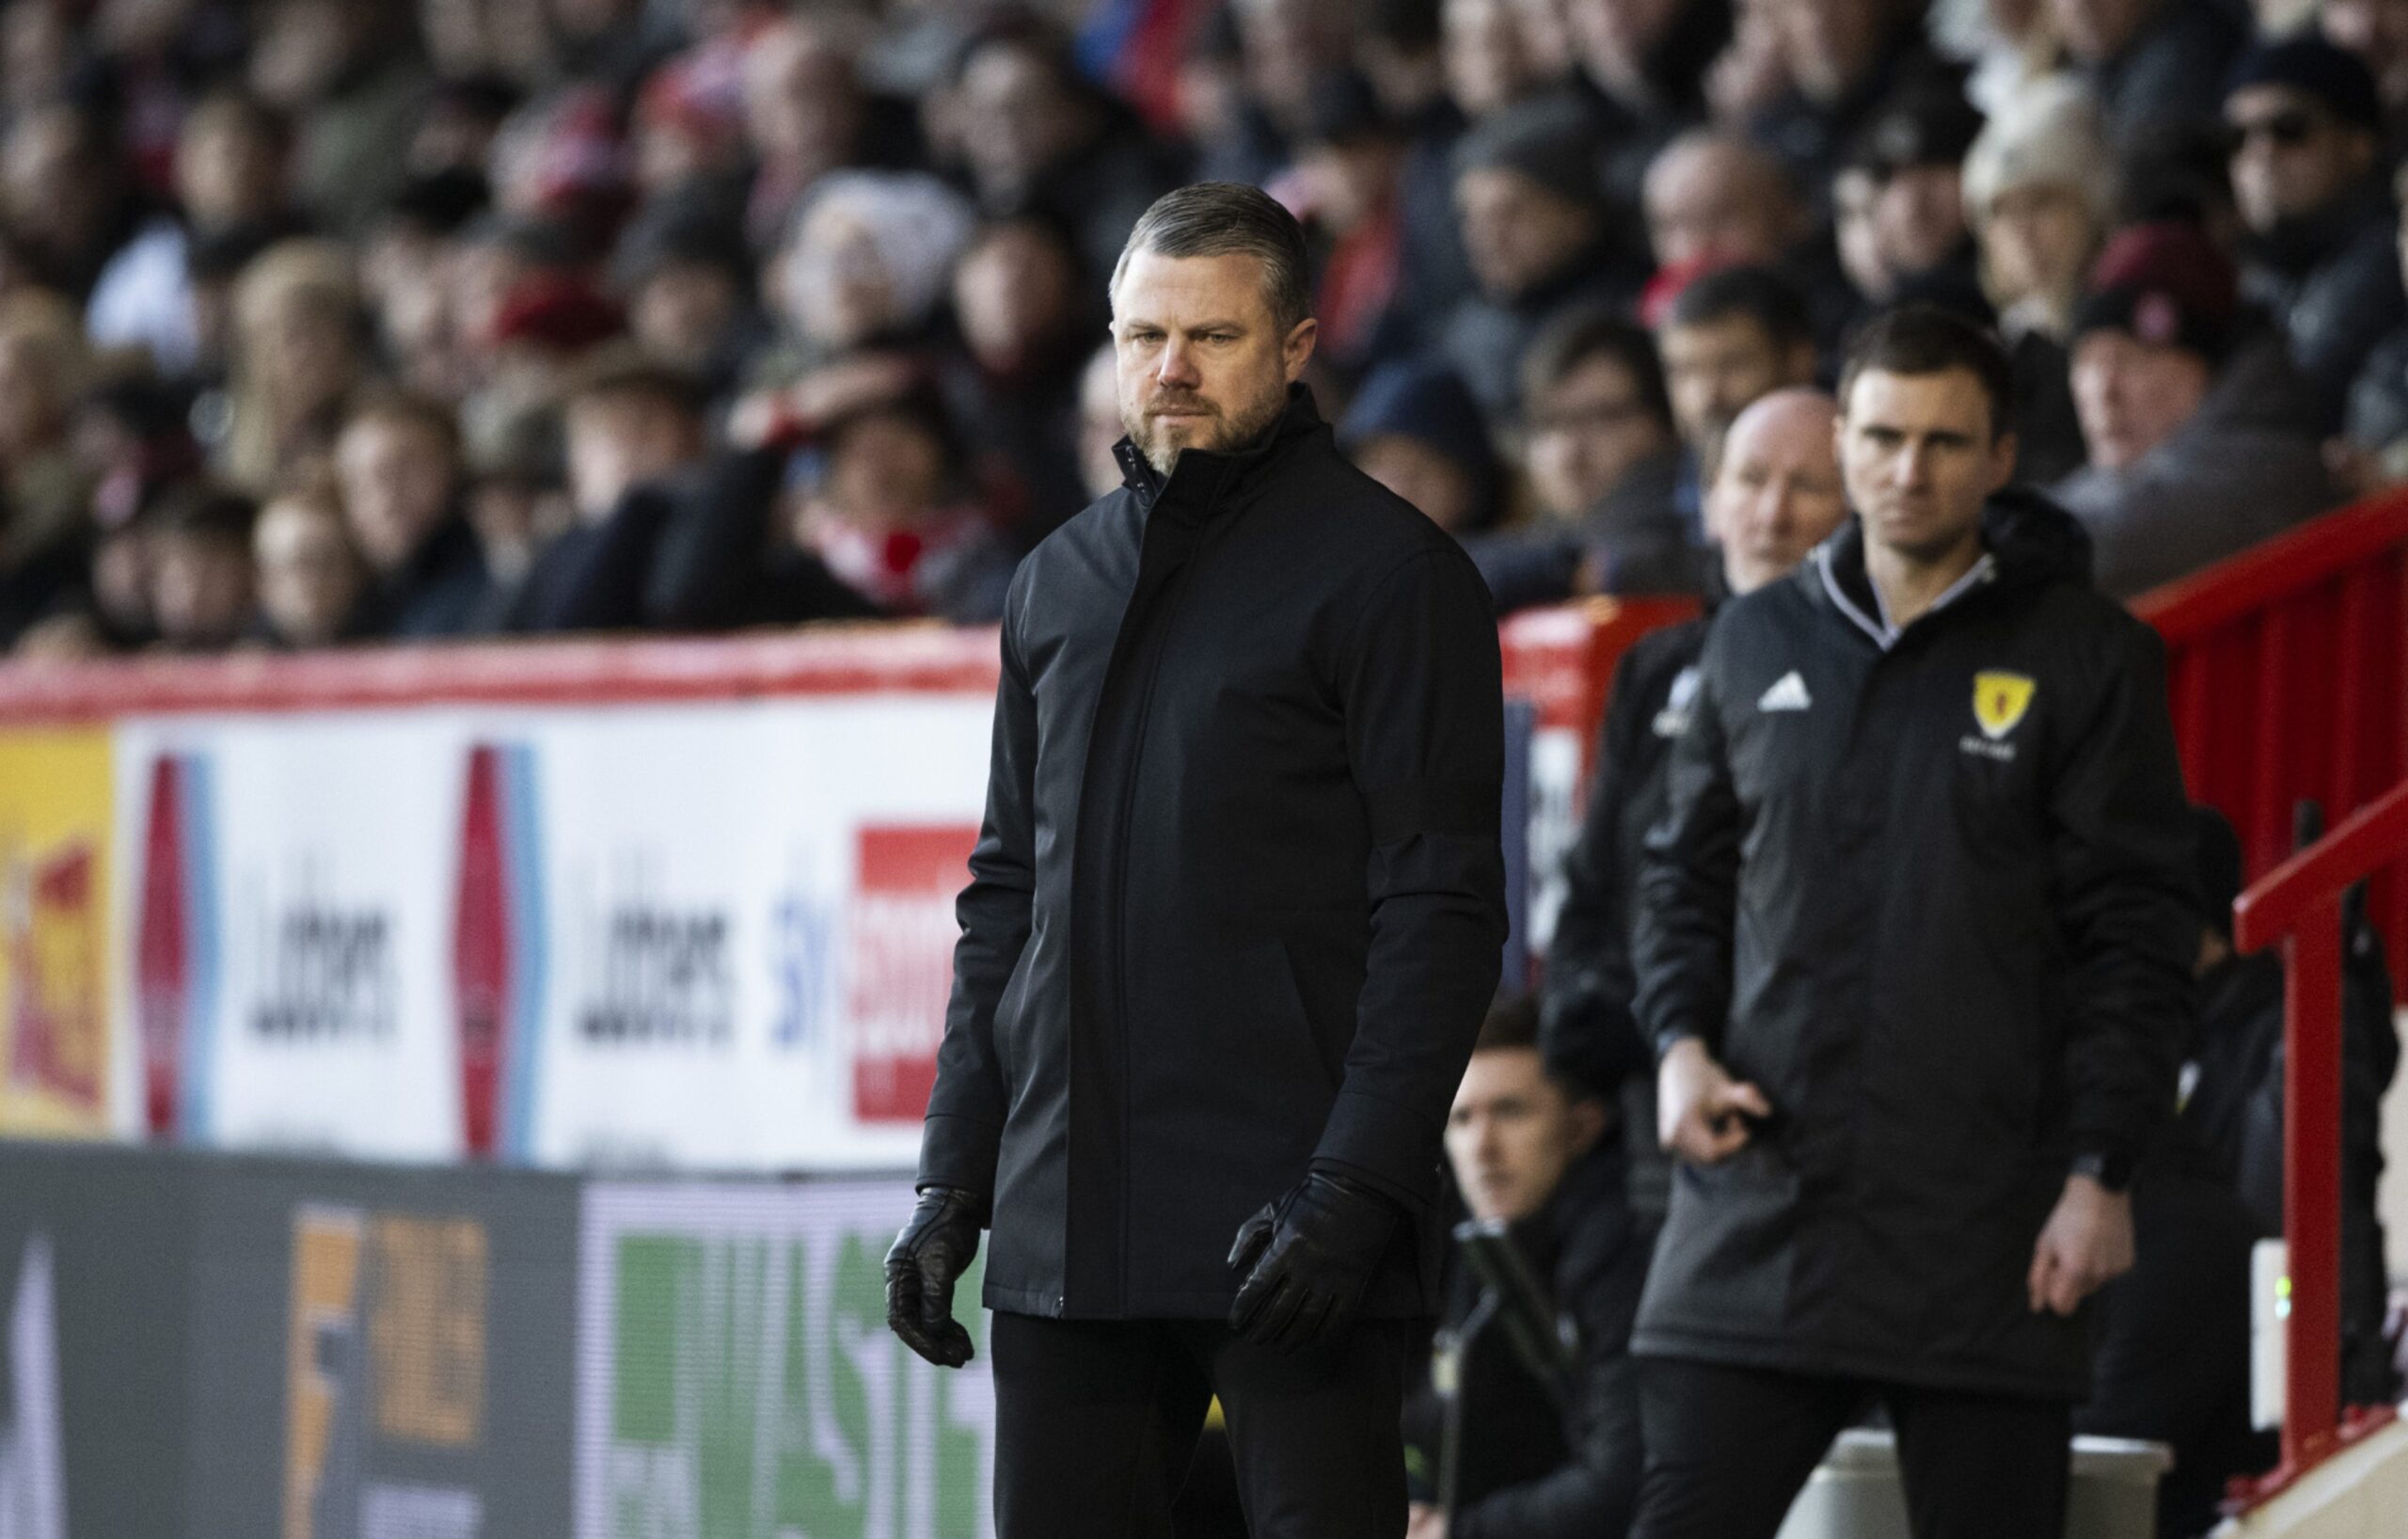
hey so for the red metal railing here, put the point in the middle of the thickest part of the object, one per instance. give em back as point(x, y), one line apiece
point(2288, 668)
point(2299, 904)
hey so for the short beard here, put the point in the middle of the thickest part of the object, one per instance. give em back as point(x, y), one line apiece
point(1240, 434)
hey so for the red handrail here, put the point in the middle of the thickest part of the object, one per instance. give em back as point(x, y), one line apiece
point(2299, 904)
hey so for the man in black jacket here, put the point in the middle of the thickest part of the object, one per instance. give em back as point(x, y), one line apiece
point(1776, 495)
point(1235, 913)
point(1913, 943)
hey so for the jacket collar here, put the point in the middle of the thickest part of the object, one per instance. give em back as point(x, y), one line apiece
point(1204, 481)
point(2027, 540)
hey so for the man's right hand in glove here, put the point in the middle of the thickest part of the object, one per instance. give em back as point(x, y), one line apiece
point(1307, 1261)
point(929, 1257)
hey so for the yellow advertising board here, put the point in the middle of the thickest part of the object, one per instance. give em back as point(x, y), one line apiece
point(54, 810)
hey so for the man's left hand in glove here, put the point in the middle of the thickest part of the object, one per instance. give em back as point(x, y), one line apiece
point(1308, 1259)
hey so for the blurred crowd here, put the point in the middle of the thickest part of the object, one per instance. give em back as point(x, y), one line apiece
point(332, 320)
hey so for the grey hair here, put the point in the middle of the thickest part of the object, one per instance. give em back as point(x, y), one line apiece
point(1229, 219)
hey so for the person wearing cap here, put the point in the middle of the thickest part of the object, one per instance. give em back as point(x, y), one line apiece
point(1413, 428)
point(2307, 182)
point(1912, 152)
point(1603, 463)
point(1527, 190)
point(2202, 438)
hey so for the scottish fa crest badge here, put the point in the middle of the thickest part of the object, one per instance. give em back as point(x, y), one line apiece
point(2000, 700)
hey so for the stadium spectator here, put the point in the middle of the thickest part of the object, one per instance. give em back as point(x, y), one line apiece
point(2041, 196)
point(343, 71)
point(1346, 186)
point(631, 425)
point(1776, 495)
point(1603, 463)
point(310, 575)
point(1911, 153)
point(1858, 1135)
point(407, 280)
point(1100, 426)
point(297, 359)
point(397, 471)
point(1841, 59)
point(1536, 1154)
point(230, 182)
point(1731, 338)
point(864, 266)
point(2158, 66)
point(1489, 64)
point(1414, 429)
point(1643, 63)
point(2202, 438)
point(891, 506)
point(201, 591)
point(1715, 200)
point(2377, 32)
point(1534, 227)
point(807, 111)
point(2318, 250)
point(1036, 138)
point(685, 278)
point(1026, 321)
point(45, 489)
point(63, 196)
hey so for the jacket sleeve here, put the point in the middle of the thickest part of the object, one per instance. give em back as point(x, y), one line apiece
point(1423, 695)
point(1688, 885)
point(1586, 1029)
point(964, 1130)
point(2125, 896)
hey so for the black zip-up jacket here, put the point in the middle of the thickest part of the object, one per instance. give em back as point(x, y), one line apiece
point(1238, 904)
point(1932, 891)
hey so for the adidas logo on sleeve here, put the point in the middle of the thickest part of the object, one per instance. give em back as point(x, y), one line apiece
point(1788, 693)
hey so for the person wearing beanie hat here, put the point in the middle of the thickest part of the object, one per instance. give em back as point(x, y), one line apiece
point(2306, 128)
point(1530, 192)
point(1604, 465)
point(1414, 429)
point(2041, 196)
point(2202, 438)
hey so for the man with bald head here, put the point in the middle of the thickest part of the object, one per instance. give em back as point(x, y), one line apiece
point(1774, 495)
point(1715, 199)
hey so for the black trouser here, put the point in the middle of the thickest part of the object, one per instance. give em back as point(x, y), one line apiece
point(1096, 1421)
point(1728, 1450)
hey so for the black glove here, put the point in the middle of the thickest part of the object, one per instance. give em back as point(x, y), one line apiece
point(927, 1257)
point(1307, 1260)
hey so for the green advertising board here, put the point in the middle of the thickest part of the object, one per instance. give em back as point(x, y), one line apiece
point(736, 1380)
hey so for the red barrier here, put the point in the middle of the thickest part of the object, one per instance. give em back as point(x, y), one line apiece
point(2300, 905)
point(2287, 667)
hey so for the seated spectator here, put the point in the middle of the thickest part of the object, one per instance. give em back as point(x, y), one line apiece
point(2376, 423)
point(397, 467)
point(1345, 187)
point(1730, 337)
point(1715, 200)
point(1100, 425)
point(2158, 66)
point(1037, 138)
point(405, 276)
point(1603, 460)
point(2202, 439)
point(343, 72)
point(1027, 315)
point(1776, 495)
point(685, 278)
point(2040, 194)
point(200, 584)
point(64, 196)
point(864, 268)
point(45, 488)
point(310, 575)
point(1841, 62)
point(1414, 429)
point(1643, 67)
point(2317, 251)
point(2172, 1360)
point(889, 507)
point(631, 425)
point(297, 359)
point(1534, 226)
point(1911, 153)
point(230, 177)
point(807, 111)
point(1534, 1152)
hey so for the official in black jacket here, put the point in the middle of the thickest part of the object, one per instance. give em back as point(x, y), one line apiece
point(1776, 495)
point(1914, 941)
point(1234, 916)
